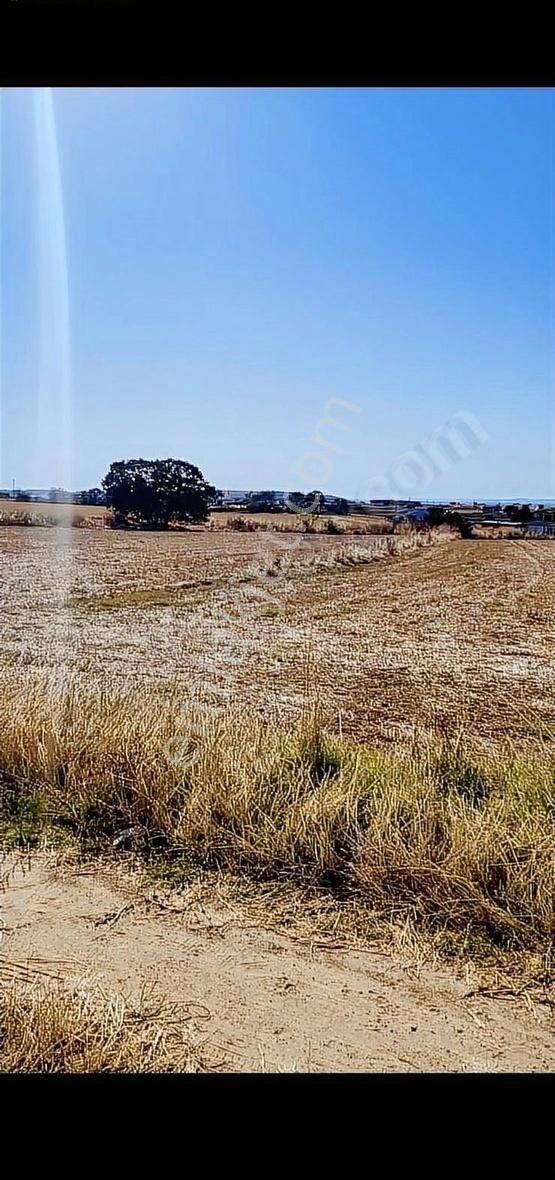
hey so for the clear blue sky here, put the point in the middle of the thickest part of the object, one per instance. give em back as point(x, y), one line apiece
point(238, 257)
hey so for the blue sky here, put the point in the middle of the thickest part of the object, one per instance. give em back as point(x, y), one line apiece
point(238, 257)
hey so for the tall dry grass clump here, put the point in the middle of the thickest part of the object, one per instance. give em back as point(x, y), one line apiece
point(302, 522)
point(45, 520)
point(28, 520)
point(47, 1029)
point(349, 553)
point(429, 832)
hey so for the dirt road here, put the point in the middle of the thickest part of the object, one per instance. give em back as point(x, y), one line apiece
point(257, 999)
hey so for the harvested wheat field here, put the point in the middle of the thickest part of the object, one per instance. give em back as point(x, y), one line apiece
point(311, 746)
point(382, 633)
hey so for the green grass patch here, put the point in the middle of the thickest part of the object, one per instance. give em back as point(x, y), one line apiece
point(141, 600)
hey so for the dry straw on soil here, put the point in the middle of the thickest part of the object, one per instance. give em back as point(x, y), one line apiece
point(427, 833)
point(46, 1029)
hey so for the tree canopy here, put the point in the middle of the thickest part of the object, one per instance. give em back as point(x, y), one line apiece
point(154, 493)
point(340, 506)
point(437, 515)
point(306, 501)
point(519, 512)
point(94, 497)
point(263, 501)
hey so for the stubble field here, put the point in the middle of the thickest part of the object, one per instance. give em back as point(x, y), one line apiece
point(380, 634)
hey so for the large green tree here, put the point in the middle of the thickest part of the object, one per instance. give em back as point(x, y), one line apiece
point(154, 493)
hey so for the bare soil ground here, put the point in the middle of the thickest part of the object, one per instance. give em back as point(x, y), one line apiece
point(254, 997)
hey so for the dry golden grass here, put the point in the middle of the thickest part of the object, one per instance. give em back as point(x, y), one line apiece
point(49, 1029)
point(292, 522)
point(429, 832)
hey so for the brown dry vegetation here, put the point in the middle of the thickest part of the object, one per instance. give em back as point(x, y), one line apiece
point(46, 1028)
point(431, 832)
point(291, 522)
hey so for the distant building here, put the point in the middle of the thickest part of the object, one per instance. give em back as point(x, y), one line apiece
point(235, 499)
point(472, 513)
point(410, 515)
point(540, 528)
point(382, 508)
